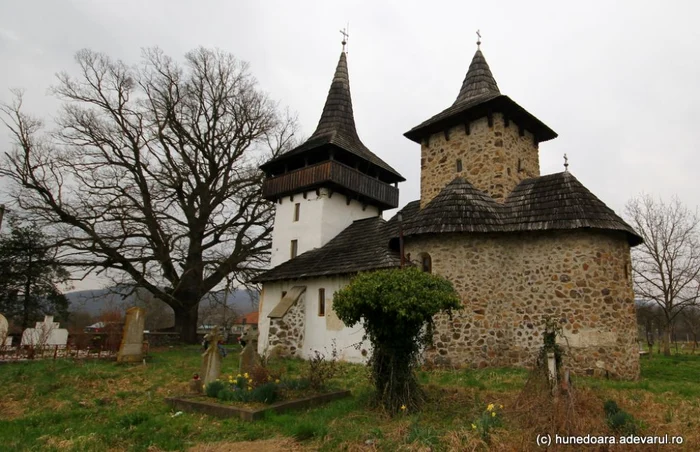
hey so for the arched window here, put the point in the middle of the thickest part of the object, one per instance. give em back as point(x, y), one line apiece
point(426, 263)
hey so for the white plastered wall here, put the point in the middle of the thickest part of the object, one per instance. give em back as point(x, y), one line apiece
point(321, 217)
point(320, 331)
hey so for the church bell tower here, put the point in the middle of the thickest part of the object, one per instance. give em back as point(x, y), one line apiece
point(484, 137)
point(329, 181)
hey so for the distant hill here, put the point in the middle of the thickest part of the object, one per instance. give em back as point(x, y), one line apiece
point(96, 301)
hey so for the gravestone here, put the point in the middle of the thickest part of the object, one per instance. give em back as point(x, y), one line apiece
point(211, 358)
point(4, 330)
point(249, 356)
point(45, 333)
point(131, 348)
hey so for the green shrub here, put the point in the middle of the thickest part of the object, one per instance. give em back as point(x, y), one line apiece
point(228, 395)
point(266, 393)
point(619, 420)
point(396, 309)
point(611, 408)
point(213, 388)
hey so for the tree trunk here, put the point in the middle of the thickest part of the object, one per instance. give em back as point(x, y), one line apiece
point(27, 295)
point(186, 323)
point(667, 341)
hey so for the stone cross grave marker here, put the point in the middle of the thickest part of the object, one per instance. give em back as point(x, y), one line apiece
point(211, 358)
point(131, 348)
point(249, 356)
point(45, 333)
point(4, 330)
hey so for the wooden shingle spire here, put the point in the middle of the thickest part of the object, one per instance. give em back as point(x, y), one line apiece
point(478, 82)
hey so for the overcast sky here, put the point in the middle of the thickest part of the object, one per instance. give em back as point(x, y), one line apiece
point(618, 81)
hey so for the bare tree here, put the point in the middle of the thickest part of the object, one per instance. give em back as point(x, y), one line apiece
point(152, 175)
point(667, 265)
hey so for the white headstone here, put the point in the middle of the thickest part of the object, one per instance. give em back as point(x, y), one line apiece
point(45, 333)
point(4, 330)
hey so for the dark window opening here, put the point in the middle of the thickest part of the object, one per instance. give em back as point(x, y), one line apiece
point(284, 292)
point(294, 248)
point(321, 302)
point(426, 263)
point(459, 165)
point(297, 206)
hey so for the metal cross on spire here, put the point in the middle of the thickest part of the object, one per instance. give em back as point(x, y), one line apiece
point(478, 39)
point(345, 34)
point(566, 163)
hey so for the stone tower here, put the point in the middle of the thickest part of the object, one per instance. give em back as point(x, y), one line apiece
point(483, 136)
point(329, 181)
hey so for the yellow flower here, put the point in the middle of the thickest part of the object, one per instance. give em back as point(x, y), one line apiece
point(403, 407)
point(500, 406)
point(490, 407)
point(246, 375)
point(238, 376)
point(250, 381)
point(493, 414)
point(277, 381)
point(473, 427)
point(250, 388)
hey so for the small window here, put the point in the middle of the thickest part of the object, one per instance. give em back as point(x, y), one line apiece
point(284, 292)
point(459, 165)
point(321, 302)
point(293, 253)
point(297, 206)
point(426, 263)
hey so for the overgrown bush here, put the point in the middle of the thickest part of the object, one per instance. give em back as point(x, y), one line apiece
point(396, 309)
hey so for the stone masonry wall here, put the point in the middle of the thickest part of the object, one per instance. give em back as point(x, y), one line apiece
point(509, 284)
point(494, 159)
point(286, 335)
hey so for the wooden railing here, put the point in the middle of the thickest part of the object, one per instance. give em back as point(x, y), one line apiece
point(336, 173)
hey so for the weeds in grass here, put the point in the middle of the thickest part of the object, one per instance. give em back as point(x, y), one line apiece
point(320, 370)
point(307, 430)
point(102, 406)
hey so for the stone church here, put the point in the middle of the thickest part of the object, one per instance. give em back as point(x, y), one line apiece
point(519, 247)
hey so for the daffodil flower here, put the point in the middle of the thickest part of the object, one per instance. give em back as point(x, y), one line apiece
point(277, 381)
point(493, 414)
point(246, 375)
point(500, 406)
point(473, 427)
point(490, 407)
point(403, 407)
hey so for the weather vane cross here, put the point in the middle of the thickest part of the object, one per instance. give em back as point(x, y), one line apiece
point(345, 34)
point(478, 38)
point(566, 163)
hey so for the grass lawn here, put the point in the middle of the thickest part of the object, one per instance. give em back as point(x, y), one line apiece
point(102, 406)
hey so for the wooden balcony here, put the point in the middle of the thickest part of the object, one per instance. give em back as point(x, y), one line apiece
point(334, 175)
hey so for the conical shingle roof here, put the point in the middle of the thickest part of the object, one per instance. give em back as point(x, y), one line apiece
point(337, 125)
point(478, 82)
point(478, 97)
